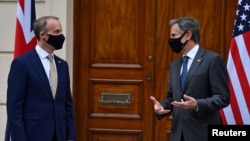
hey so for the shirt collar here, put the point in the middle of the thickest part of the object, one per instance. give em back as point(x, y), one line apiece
point(41, 52)
point(191, 54)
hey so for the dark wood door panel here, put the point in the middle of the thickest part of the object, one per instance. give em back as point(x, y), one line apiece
point(116, 31)
point(121, 57)
point(114, 77)
point(115, 135)
point(115, 99)
point(116, 123)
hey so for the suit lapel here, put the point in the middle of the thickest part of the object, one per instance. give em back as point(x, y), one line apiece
point(194, 66)
point(38, 67)
point(59, 68)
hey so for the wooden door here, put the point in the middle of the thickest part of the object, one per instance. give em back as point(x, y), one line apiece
point(113, 69)
point(121, 57)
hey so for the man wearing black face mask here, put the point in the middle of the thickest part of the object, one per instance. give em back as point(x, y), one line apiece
point(39, 101)
point(198, 87)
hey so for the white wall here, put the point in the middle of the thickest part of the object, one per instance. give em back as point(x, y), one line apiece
point(60, 8)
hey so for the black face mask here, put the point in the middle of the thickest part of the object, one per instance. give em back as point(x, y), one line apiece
point(176, 44)
point(56, 41)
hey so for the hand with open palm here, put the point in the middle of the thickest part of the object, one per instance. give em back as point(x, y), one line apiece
point(158, 107)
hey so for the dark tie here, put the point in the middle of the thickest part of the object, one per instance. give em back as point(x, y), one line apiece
point(52, 75)
point(184, 70)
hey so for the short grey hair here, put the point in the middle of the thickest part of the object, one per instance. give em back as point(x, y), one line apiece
point(188, 24)
point(40, 25)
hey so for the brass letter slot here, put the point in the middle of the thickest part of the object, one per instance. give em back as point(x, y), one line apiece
point(115, 98)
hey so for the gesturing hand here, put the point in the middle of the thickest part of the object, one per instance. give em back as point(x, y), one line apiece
point(187, 102)
point(158, 107)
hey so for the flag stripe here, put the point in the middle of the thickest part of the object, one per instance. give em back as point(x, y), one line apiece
point(233, 100)
point(247, 47)
point(236, 74)
point(245, 52)
point(21, 3)
point(242, 64)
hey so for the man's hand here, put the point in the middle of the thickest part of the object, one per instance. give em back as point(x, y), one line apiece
point(187, 102)
point(158, 107)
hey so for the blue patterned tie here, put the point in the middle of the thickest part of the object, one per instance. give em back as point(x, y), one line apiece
point(184, 70)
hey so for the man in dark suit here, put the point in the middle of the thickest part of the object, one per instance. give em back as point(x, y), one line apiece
point(35, 112)
point(197, 103)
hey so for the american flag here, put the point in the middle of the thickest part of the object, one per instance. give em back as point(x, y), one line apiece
point(238, 66)
point(24, 38)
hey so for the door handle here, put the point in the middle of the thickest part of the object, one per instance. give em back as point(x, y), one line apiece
point(148, 77)
point(150, 58)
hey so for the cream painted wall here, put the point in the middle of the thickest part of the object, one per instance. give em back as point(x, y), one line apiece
point(60, 8)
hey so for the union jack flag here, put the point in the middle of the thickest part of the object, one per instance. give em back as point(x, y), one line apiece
point(24, 38)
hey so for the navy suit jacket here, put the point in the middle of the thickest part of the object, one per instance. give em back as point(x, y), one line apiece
point(33, 113)
point(207, 82)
